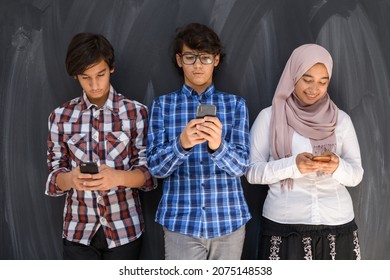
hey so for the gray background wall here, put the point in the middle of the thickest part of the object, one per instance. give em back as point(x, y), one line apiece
point(259, 36)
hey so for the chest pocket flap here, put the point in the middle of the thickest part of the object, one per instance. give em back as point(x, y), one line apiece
point(78, 145)
point(116, 145)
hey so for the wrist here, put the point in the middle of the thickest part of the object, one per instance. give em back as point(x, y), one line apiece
point(212, 148)
point(64, 181)
point(185, 147)
point(132, 179)
point(121, 175)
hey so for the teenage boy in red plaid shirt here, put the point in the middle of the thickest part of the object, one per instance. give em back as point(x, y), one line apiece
point(102, 213)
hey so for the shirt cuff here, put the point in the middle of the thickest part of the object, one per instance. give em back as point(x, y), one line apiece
point(295, 171)
point(150, 182)
point(220, 152)
point(51, 185)
point(179, 150)
point(338, 173)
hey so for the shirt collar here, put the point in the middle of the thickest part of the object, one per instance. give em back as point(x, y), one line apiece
point(187, 90)
point(111, 102)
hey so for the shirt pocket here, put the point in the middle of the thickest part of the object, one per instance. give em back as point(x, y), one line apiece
point(116, 143)
point(78, 146)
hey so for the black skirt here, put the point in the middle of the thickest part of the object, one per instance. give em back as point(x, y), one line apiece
point(309, 242)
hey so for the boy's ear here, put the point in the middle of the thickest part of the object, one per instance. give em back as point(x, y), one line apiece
point(178, 61)
point(216, 60)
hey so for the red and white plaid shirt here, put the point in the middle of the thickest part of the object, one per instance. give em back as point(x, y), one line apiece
point(115, 135)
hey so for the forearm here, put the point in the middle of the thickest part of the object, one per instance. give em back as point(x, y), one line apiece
point(263, 172)
point(131, 179)
point(64, 181)
point(233, 153)
point(350, 170)
point(164, 160)
point(233, 160)
point(348, 174)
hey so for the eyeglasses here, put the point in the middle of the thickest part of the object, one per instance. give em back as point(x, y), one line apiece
point(190, 58)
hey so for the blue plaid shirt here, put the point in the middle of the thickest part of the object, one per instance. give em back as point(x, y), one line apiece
point(202, 192)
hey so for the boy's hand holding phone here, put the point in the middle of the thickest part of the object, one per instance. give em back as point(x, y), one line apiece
point(92, 177)
point(211, 129)
point(192, 134)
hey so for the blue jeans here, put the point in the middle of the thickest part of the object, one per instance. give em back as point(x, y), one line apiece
point(184, 247)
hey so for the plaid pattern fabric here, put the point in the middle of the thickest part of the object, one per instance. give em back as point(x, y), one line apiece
point(202, 192)
point(114, 135)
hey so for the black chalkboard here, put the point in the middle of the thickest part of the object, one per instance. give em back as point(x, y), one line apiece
point(259, 36)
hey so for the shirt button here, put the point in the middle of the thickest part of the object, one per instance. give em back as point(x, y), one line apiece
point(96, 136)
point(99, 198)
point(203, 208)
point(103, 221)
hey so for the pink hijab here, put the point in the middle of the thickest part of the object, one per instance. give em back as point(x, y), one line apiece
point(316, 122)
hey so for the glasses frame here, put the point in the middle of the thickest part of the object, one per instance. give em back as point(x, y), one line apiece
point(196, 58)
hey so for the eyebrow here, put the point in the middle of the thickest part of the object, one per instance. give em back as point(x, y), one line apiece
point(310, 76)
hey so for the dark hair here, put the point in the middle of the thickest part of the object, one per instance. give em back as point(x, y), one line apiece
point(197, 37)
point(87, 49)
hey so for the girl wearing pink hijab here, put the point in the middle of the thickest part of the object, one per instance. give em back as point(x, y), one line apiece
point(308, 212)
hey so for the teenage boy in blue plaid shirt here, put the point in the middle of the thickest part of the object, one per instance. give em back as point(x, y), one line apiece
point(203, 209)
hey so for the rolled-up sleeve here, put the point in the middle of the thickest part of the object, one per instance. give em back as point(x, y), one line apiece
point(138, 151)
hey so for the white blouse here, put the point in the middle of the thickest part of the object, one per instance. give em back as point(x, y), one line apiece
point(314, 200)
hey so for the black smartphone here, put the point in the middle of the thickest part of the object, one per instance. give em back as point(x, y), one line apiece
point(206, 110)
point(89, 167)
